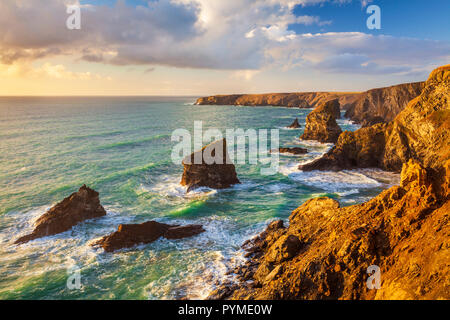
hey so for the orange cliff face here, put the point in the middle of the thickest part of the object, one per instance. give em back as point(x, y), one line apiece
point(421, 131)
point(292, 100)
point(326, 250)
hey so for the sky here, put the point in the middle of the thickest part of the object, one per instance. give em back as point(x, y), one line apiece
point(205, 47)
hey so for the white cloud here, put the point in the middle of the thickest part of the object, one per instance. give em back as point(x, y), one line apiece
point(215, 34)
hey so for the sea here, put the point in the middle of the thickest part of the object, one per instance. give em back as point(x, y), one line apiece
point(121, 147)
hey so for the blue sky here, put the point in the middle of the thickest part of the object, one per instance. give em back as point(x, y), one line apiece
point(200, 47)
point(424, 19)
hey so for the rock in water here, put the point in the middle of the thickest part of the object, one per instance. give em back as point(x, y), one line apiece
point(79, 206)
point(326, 250)
point(209, 167)
point(295, 124)
point(321, 123)
point(294, 150)
point(421, 131)
point(129, 235)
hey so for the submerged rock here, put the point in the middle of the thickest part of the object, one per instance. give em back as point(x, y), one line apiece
point(79, 206)
point(295, 124)
point(326, 250)
point(421, 131)
point(294, 150)
point(129, 235)
point(321, 123)
point(209, 167)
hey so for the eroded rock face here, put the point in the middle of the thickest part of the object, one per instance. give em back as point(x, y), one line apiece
point(130, 235)
point(79, 206)
point(382, 105)
point(291, 100)
point(321, 123)
point(404, 231)
point(210, 167)
point(295, 124)
point(421, 131)
point(293, 150)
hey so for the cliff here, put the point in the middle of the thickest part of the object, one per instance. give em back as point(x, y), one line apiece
point(321, 123)
point(421, 131)
point(326, 250)
point(291, 100)
point(383, 104)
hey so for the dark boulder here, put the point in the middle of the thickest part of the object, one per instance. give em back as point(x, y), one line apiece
point(79, 206)
point(129, 235)
point(294, 150)
point(294, 124)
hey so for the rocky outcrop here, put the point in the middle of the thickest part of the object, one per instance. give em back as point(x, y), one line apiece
point(130, 235)
point(321, 123)
point(383, 104)
point(326, 250)
point(291, 100)
point(209, 167)
point(79, 206)
point(421, 131)
point(293, 150)
point(295, 124)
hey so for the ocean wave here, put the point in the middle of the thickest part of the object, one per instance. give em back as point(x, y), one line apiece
point(337, 182)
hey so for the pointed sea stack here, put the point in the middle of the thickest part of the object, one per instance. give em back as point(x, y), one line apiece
point(209, 167)
point(130, 235)
point(79, 206)
point(321, 123)
point(294, 124)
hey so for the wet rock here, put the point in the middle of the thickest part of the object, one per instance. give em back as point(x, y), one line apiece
point(321, 123)
point(129, 235)
point(294, 150)
point(209, 167)
point(295, 124)
point(79, 206)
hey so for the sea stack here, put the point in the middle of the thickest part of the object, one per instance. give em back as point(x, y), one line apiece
point(420, 132)
point(294, 124)
point(209, 167)
point(79, 206)
point(321, 123)
point(129, 235)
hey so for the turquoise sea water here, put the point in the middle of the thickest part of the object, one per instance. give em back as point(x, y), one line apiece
point(121, 147)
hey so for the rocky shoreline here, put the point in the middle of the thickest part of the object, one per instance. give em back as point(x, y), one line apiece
point(326, 250)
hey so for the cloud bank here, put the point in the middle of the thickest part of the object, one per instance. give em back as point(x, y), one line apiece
point(205, 34)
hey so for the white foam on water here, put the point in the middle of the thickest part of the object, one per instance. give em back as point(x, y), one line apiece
point(169, 186)
point(345, 182)
point(347, 193)
point(202, 277)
